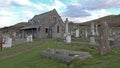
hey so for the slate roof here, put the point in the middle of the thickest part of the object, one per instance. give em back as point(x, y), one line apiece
point(41, 17)
point(37, 19)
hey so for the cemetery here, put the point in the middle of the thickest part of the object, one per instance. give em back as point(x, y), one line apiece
point(60, 44)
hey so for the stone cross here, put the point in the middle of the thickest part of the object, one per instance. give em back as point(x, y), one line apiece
point(67, 34)
point(66, 26)
point(92, 34)
point(104, 35)
point(92, 29)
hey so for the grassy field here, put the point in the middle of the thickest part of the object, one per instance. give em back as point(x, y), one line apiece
point(32, 58)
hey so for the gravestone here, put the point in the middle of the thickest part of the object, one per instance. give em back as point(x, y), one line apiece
point(67, 34)
point(71, 33)
point(86, 34)
point(92, 40)
point(7, 42)
point(66, 26)
point(29, 38)
point(68, 38)
point(92, 31)
point(115, 43)
point(104, 35)
point(76, 33)
point(66, 56)
point(92, 34)
point(96, 30)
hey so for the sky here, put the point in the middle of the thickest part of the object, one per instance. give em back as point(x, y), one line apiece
point(15, 11)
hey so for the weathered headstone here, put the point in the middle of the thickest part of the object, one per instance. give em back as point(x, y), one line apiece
point(104, 35)
point(76, 33)
point(66, 56)
point(68, 38)
point(92, 40)
point(29, 38)
point(7, 42)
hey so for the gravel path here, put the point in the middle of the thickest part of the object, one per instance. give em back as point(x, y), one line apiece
point(21, 50)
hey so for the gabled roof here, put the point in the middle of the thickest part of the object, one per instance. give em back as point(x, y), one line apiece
point(38, 19)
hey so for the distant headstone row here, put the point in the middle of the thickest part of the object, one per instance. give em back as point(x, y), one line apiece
point(7, 41)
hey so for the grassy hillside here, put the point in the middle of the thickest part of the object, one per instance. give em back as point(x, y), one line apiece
point(112, 20)
point(32, 58)
point(13, 28)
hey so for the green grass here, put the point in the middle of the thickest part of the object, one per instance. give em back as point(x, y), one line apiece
point(32, 58)
point(21, 46)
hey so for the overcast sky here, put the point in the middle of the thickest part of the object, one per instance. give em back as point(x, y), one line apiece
point(15, 11)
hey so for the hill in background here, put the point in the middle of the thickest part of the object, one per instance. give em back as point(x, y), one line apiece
point(112, 20)
point(13, 28)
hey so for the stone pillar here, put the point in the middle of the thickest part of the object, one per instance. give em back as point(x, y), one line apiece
point(92, 34)
point(67, 34)
point(104, 35)
point(96, 30)
point(86, 34)
point(66, 26)
point(92, 29)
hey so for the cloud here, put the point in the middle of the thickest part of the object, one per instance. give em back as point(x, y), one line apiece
point(95, 14)
point(76, 11)
point(100, 4)
point(21, 2)
point(14, 3)
point(57, 4)
point(14, 11)
point(85, 10)
point(6, 18)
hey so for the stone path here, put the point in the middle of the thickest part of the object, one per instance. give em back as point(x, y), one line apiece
point(21, 50)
